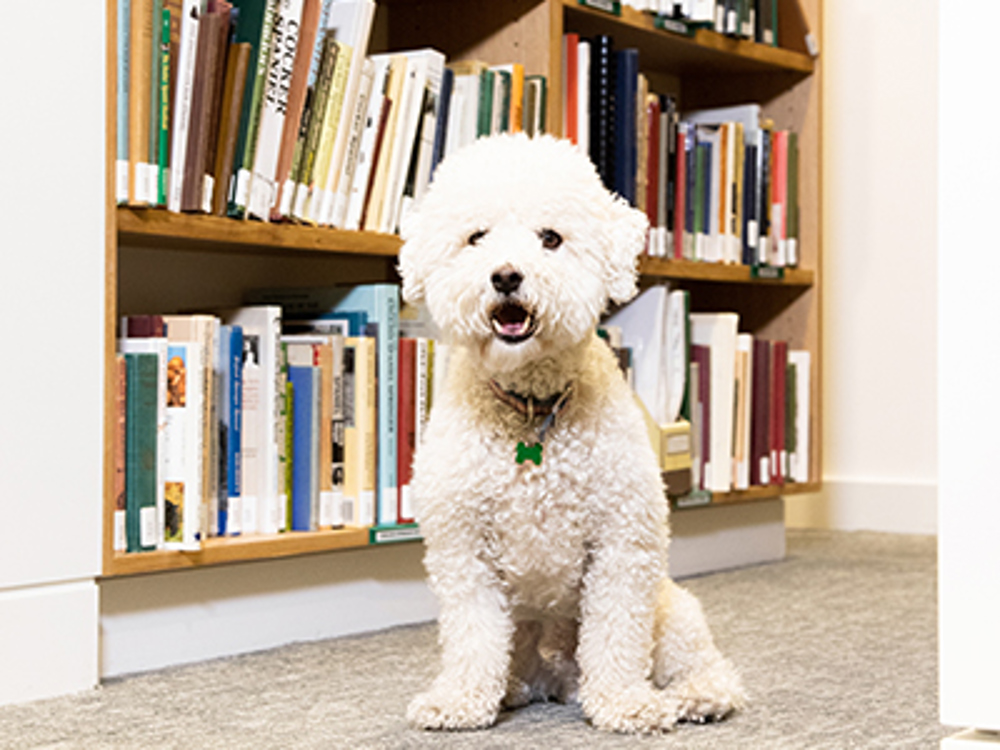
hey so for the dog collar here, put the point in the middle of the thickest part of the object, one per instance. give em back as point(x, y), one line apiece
point(531, 407)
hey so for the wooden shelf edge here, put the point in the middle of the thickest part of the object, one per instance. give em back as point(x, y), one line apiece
point(156, 227)
point(768, 492)
point(236, 549)
point(778, 58)
point(739, 274)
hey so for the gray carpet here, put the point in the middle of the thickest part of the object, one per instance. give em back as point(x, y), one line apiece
point(837, 645)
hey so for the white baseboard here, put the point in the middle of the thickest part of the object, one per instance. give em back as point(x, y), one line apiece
point(867, 505)
point(165, 619)
point(718, 537)
point(48, 645)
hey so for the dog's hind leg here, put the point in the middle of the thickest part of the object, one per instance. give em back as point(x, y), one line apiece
point(686, 663)
point(543, 664)
point(525, 665)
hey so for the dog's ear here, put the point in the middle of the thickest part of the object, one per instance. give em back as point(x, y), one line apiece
point(626, 234)
point(413, 282)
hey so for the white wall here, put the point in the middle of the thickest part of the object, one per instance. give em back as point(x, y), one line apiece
point(51, 326)
point(880, 70)
point(969, 269)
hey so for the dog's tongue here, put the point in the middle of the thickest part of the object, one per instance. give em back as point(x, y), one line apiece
point(511, 320)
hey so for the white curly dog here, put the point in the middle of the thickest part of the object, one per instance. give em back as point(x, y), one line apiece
point(537, 490)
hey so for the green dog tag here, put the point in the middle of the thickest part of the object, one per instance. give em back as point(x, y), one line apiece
point(529, 453)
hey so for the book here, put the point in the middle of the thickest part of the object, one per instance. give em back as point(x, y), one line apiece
point(799, 362)
point(203, 331)
point(407, 424)
point(779, 370)
point(298, 85)
point(428, 99)
point(602, 113)
point(122, 169)
point(139, 82)
point(352, 22)
point(120, 437)
point(717, 332)
point(626, 84)
point(212, 32)
point(535, 101)
point(157, 347)
point(142, 371)
point(234, 87)
point(701, 414)
point(643, 324)
point(375, 208)
point(161, 130)
point(571, 82)
point(380, 302)
point(274, 106)
point(185, 456)
point(184, 78)
point(262, 393)
point(357, 124)
point(744, 411)
point(230, 514)
point(360, 452)
point(255, 26)
point(306, 385)
point(367, 155)
point(760, 438)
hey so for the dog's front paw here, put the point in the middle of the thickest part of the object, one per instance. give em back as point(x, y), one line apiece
point(441, 709)
point(637, 710)
point(708, 694)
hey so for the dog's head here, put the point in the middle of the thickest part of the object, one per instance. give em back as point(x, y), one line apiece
point(517, 248)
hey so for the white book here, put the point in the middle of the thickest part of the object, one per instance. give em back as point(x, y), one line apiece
point(351, 157)
point(677, 347)
point(403, 143)
point(717, 331)
point(262, 511)
point(366, 145)
point(417, 173)
point(643, 323)
point(181, 109)
point(157, 346)
point(744, 415)
point(454, 134)
point(351, 21)
point(185, 431)
point(284, 43)
point(583, 96)
point(801, 360)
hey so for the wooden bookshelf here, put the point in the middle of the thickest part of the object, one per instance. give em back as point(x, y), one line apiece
point(220, 258)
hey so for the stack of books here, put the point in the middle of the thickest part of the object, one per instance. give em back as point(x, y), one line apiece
point(274, 110)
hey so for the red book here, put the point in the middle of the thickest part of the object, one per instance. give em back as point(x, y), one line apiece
point(680, 194)
point(407, 425)
point(760, 414)
point(653, 170)
point(779, 455)
point(571, 42)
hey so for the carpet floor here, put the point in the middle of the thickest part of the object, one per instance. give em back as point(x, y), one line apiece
point(837, 646)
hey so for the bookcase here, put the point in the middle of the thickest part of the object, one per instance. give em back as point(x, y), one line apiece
point(169, 262)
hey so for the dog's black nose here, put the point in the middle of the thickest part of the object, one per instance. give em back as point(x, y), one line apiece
point(506, 280)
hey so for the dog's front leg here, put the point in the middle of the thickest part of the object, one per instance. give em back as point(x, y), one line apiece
point(475, 631)
point(616, 641)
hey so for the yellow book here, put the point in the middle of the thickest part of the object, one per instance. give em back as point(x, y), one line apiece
point(394, 91)
point(359, 430)
point(328, 132)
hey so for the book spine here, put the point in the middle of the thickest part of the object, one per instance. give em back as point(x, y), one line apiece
point(163, 115)
point(357, 123)
point(300, 379)
point(626, 81)
point(238, 59)
point(118, 534)
point(155, 89)
point(317, 109)
point(231, 524)
point(140, 55)
point(183, 92)
point(407, 394)
point(122, 122)
point(274, 106)
point(246, 144)
point(330, 123)
point(141, 459)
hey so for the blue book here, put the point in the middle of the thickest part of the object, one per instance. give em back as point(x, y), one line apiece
point(121, 147)
point(626, 152)
point(380, 302)
point(305, 381)
point(231, 430)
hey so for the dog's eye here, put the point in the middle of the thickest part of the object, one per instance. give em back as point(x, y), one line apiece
point(475, 237)
point(550, 238)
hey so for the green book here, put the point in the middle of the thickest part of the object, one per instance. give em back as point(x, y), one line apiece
point(161, 131)
point(792, 200)
point(256, 22)
point(484, 123)
point(142, 372)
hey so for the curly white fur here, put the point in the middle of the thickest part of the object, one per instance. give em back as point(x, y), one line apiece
point(552, 578)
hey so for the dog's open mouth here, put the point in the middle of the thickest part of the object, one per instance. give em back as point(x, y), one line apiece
point(513, 323)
